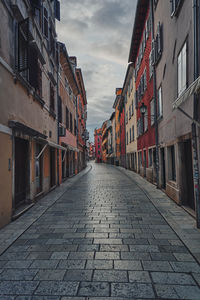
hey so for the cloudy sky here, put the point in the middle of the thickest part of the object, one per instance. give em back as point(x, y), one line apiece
point(98, 32)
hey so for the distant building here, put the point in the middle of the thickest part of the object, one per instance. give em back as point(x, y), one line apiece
point(98, 141)
point(116, 106)
point(104, 145)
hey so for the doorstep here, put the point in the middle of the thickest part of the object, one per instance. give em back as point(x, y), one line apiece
point(21, 210)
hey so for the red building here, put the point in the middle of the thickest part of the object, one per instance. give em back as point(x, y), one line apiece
point(81, 120)
point(98, 141)
point(141, 55)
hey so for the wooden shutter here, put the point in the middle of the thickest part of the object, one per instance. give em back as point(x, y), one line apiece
point(57, 9)
point(36, 3)
point(45, 23)
point(23, 45)
point(33, 68)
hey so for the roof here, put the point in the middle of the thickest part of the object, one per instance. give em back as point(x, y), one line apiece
point(140, 17)
point(68, 69)
point(129, 72)
point(81, 84)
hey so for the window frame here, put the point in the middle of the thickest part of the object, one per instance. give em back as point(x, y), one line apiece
point(185, 44)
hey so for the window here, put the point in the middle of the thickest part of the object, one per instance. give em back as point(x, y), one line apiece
point(129, 112)
point(152, 106)
point(74, 127)
point(130, 136)
point(145, 79)
point(67, 118)
point(133, 133)
point(151, 64)
point(145, 121)
point(52, 100)
point(172, 163)
point(132, 109)
point(71, 122)
point(59, 110)
point(160, 106)
point(150, 158)
point(182, 69)
point(45, 23)
point(127, 138)
point(175, 5)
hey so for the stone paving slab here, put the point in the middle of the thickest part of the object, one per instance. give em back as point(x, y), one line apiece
point(103, 238)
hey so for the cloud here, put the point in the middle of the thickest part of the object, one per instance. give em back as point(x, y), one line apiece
point(98, 32)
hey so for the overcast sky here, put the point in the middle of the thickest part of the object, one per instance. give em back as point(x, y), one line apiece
point(98, 33)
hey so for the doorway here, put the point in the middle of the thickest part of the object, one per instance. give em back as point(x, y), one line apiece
point(187, 174)
point(21, 171)
point(38, 169)
point(52, 168)
point(163, 169)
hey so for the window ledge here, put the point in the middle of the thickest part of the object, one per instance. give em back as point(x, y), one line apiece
point(39, 99)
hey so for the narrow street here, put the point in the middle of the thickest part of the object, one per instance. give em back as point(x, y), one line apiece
point(102, 239)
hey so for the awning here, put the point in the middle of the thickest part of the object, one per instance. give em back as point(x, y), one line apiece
point(194, 88)
point(51, 144)
point(26, 130)
point(71, 148)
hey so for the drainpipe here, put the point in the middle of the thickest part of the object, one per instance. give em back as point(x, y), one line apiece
point(57, 92)
point(195, 138)
point(155, 100)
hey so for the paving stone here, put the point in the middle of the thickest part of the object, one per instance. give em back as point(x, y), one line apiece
point(99, 264)
point(144, 248)
point(71, 264)
point(110, 276)
point(12, 256)
point(113, 248)
point(156, 266)
point(94, 289)
point(50, 275)
point(178, 292)
point(108, 241)
point(185, 267)
point(131, 290)
point(173, 248)
point(62, 248)
point(44, 264)
point(18, 274)
point(172, 278)
point(18, 264)
point(139, 276)
point(184, 257)
point(135, 256)
point(81, 255)
point(107, 255)
point(78, 275)
point(63, 288)
point(88, 248)
point(127, 265)
point(17, 287)
point(163, 256)
point(96, 235)
point(39, 255)
point(59, 255)
point(136, 241)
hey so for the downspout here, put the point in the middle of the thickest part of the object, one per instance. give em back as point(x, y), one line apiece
point(155, 100)
point(57, 90)
point(195, 138)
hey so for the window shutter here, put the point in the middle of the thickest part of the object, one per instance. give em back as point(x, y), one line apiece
point(23, 45)
point(33, 68)
point(36, 3)
point(57, 9)
point(160, 39)
point(45, 23)
point(59, 110)
point(67, 118)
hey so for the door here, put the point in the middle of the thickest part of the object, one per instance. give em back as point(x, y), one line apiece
point(187, 175)
point(52, 167)
point(63, 164)
point(163, 174)
point(38, 169)
point(21, 171)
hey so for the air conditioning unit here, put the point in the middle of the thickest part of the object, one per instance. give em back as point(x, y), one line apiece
point(62, 131)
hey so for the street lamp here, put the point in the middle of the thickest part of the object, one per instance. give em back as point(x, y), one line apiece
point(143, 109)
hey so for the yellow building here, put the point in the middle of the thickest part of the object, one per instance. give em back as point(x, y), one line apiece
point(130, 119)
point(117, 125)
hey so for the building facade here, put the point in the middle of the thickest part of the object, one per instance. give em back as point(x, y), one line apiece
point(104, 144)
point(130, 119)
point(175, 72)
point(67, 116)
point(28, 100)
point(141, 56)
point(116, 106)
point(98, 141)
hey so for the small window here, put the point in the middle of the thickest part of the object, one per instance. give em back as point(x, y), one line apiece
point(152, 105)
point(130, 136)
point(52, 100)
point(45, 23)
point(182, 69)
point(67, 118)
point(160, 105)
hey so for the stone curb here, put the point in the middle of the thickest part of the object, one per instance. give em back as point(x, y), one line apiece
point(11, 232)
point(182, 223)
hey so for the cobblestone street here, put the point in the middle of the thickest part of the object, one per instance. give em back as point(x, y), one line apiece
point(104, 238)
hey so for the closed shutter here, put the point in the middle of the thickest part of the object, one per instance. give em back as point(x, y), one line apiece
point(45, 23)
point(67, 118)
point(33, 68)
point(36, 3)
point(57, 9)
point(23, 45)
